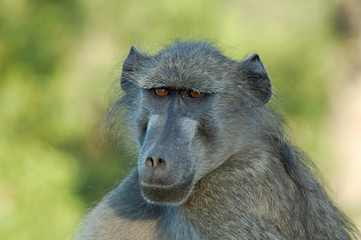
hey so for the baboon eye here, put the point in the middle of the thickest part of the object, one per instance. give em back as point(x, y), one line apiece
point(195, 94)
point(161, 92)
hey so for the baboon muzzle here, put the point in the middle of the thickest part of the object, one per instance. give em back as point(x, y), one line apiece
point(165, 164)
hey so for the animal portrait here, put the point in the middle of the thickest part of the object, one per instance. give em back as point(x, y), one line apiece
point(215, 160)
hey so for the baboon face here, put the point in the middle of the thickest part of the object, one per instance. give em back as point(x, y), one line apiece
point(185, 107)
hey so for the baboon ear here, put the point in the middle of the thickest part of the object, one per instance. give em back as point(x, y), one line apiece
point(130, 66)
point(256, 78)
point(130, 62)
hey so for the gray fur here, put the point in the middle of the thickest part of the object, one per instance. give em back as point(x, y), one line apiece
point(242, 177)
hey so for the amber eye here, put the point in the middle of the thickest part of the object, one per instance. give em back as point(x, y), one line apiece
point(195, 94)
point(161, 92)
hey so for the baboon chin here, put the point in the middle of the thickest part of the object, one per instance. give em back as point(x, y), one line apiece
point(215, 161)
point(173, 194)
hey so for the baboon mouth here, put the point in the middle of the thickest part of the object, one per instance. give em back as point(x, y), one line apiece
point(167, 194)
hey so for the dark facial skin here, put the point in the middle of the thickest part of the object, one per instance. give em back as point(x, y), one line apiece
point(170, 153)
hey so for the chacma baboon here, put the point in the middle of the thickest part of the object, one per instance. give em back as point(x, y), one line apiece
point(214, 160)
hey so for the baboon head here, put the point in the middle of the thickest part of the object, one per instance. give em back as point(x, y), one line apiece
point(191, 109)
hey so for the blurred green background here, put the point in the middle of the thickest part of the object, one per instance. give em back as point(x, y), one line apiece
point(59, 60)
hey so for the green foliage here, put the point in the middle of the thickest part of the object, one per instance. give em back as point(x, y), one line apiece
point(58, 58)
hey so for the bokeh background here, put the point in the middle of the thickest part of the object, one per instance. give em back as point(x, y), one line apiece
point(59, 61)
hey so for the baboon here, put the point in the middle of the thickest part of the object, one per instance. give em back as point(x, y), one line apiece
point(215, 161)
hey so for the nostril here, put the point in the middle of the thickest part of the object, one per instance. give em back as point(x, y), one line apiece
point(152, 163)
point(161, 162)
point(149, 162)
